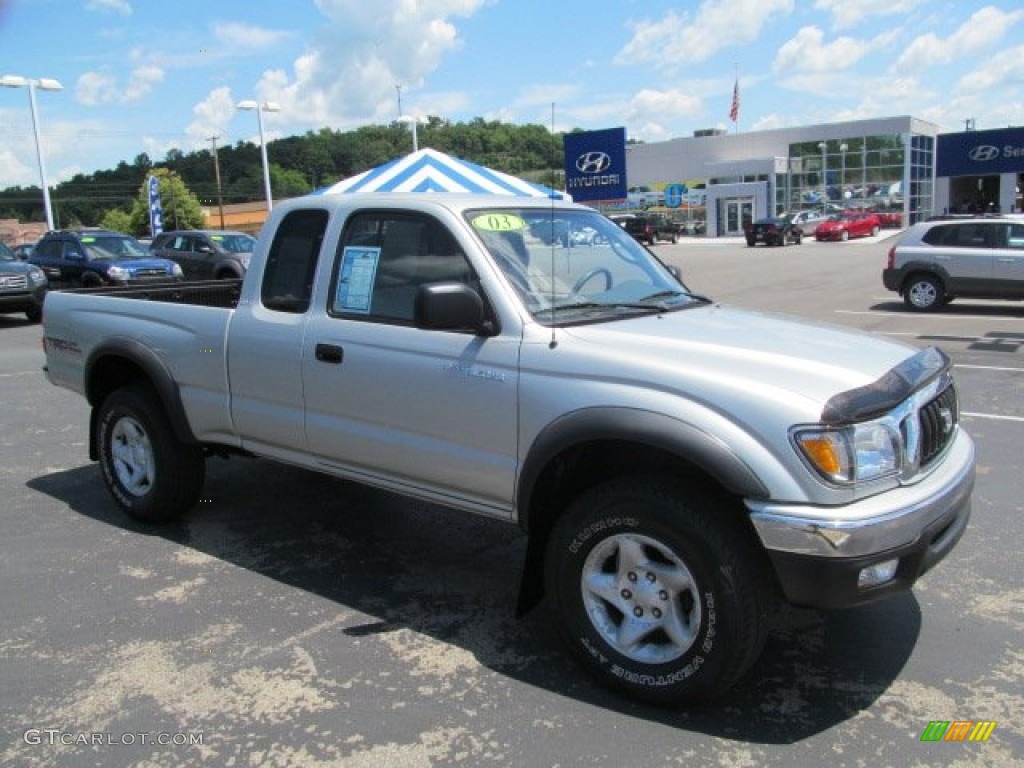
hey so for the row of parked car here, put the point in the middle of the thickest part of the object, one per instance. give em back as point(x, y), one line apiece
point(91, 258)
point(792, 227)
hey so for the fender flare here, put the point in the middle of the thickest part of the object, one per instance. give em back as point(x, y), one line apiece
point(156, 374)
point(656, 430)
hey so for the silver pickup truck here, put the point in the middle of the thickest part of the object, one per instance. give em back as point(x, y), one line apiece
point(676, 464)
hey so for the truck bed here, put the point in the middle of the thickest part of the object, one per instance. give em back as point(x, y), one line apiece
point(205, 293)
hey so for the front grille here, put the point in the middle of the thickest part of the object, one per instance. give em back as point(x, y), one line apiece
point(13, 281)
point(937, 420)
point(150, 274)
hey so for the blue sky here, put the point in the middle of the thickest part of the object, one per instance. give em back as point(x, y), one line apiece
point(151, 75)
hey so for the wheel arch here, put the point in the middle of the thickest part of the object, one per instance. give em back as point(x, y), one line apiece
point(592, 446)
point(120, 362)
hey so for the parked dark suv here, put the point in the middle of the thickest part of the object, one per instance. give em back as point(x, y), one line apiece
point(774, 230)
point(93, 257)
point(649, 228)
point(22, 286)
point(936, 261)
point(206, 254)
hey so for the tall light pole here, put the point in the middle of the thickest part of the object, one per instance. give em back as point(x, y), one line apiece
point(46, 84)
point(824, 172)
point(842, 173)
point(216, 171)
point(261, 107)
point(413, 121)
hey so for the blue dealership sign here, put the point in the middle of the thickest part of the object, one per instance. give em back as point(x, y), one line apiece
point(595, 165)
point(980, 153)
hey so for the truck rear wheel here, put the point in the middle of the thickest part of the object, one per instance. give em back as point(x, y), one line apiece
point(656, 590)
point(152, 475)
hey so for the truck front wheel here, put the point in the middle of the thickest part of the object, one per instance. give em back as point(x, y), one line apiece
point(152, 475)
point(656, 590)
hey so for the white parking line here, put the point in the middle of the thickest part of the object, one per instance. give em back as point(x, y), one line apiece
point(992, 416)
point(920, 316)
point(990, 368)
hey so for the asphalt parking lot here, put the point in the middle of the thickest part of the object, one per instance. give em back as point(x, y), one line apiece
point(292, 619)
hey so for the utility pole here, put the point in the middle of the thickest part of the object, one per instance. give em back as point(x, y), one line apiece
point(216, 171)
point(398, 87)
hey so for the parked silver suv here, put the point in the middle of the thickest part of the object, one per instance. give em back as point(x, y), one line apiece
point(937, 261)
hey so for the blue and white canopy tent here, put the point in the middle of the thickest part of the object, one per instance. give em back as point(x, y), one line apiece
point(431, 171)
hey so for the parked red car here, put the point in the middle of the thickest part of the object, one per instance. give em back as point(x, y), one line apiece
point(846, 225)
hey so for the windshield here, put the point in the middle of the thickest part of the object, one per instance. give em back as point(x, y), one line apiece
point(6, 254)
point(234, 243)
point(575, 266)
point(114, 248)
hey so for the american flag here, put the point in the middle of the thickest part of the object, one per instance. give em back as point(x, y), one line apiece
point(734, 110)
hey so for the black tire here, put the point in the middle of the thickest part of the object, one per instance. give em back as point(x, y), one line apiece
point(34, 315)
point(677, 561)
point(152, 475)
point(798, 238)
point(91, 280)
point(751, 242)
point(924, 293)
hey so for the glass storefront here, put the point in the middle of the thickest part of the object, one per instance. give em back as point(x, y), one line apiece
point(866, 172)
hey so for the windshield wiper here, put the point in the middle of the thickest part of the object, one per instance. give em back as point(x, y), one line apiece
point(609, 305)
point(672, 292)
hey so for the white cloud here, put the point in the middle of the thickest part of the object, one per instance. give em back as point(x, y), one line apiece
point(240, 36)
point(850, 13)
point(678, 38)
point(981, 31)
point(212, 116)
point(95, 88)
point(1000, 69)
point(141, 82)
point(807, 52)
point(121, 7)
point(348, 74)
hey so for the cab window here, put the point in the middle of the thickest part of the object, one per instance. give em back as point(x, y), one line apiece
point(291, 263)
point(384, 257)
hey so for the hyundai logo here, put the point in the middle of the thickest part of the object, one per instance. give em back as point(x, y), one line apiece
point(593, 162)
point(983, 153)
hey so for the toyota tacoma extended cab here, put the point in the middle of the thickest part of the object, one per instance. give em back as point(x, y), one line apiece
point(676, 464)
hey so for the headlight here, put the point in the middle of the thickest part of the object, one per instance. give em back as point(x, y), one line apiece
point(37, 276)
point(176, 269)
point(853, 454)
point(245, 260)
point(118, 273)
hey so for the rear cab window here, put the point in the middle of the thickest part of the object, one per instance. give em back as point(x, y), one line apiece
point(291, 264)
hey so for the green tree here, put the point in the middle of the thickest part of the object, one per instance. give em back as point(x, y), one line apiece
point(117, 220)
point(180, 206)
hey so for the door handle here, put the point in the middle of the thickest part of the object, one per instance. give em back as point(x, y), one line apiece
point(329, 353)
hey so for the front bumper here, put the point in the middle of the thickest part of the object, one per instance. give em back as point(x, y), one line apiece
point(819, 552)
point(22, 301)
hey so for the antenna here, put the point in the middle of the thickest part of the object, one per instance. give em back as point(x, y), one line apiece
point(554, 342)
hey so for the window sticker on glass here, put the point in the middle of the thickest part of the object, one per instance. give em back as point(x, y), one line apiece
point(355, 279)
point(499, 222)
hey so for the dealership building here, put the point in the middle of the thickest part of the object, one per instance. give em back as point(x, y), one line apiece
point(898, 164)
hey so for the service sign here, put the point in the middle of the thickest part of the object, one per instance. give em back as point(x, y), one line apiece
point(595, 165)
point(980, 153)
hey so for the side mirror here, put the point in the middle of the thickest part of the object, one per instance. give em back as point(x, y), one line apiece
point(450, 307)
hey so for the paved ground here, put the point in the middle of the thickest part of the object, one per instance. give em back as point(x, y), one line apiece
point(296, 620)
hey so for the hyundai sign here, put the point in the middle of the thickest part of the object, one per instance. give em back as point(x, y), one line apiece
point(980, 153)
point(595, 165)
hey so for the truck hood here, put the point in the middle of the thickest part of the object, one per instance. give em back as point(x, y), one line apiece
point(755, 355)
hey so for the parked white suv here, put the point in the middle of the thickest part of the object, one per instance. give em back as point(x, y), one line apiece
point(937, 261)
